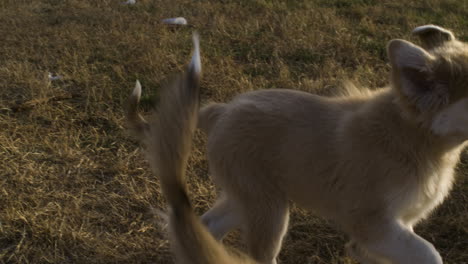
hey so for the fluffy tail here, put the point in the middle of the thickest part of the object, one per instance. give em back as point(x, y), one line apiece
point(168, 142)
point(136, 123)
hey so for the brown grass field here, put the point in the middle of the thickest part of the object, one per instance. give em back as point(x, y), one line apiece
point(74, 186)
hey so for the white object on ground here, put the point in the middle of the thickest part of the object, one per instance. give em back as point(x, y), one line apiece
point(54, 77)
point(129, 2)
point(175, 21)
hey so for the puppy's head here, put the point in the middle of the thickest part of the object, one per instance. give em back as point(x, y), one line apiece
point(432, 81)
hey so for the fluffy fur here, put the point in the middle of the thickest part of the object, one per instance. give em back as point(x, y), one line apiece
point(376, 163)
point(168, 141)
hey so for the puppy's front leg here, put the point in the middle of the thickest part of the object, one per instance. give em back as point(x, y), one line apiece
point(397, 244)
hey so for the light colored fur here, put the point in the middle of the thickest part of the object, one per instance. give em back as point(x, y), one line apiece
point(376, 163)
point(168, 141)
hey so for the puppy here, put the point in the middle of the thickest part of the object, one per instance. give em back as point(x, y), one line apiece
point(374, 162)
point(168, 141)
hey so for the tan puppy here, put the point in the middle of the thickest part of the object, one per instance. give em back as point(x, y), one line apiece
point(168, 141)
point(375, 163)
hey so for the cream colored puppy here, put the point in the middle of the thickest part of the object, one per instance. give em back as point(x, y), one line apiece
point(375, 163)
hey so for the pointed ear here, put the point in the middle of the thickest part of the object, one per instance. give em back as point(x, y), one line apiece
point(412, 76)
point(433, 36)
point(411, 65)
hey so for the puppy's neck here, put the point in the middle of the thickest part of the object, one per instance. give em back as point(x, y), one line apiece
point(401, 131)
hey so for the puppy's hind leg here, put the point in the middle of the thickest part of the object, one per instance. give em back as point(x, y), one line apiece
point(222, 217)
point(266, 223)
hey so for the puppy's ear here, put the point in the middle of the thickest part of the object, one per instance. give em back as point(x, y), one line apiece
point(433, 36)
point(413, 78)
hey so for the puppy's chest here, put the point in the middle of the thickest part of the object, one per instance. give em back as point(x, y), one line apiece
point(430, 191)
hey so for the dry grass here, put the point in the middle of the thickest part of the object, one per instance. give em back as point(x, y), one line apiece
point(75, 189)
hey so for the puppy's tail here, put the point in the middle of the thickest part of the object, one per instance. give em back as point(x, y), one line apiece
point(138, 126)
point(169, 141)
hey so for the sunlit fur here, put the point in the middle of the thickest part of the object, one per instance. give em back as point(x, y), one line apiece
point(375, 163)
point(168, 141)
